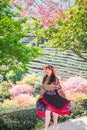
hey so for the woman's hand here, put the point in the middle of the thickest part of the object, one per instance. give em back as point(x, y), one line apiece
point(61, 93)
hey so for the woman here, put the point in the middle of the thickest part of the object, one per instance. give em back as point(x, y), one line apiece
point(52, 99)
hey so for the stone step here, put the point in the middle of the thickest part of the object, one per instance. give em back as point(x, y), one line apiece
point(72, 124)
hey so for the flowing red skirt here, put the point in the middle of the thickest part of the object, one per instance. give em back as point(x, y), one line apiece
point(52, 101)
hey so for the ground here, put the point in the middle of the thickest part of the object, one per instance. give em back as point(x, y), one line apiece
point(72, 124)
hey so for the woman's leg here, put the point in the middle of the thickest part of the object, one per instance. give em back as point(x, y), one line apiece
point(47, 118)
point(55, 118)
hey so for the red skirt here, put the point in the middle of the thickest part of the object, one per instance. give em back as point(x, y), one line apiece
point(52, 101)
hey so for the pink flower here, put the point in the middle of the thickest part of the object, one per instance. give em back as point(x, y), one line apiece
point(56, 26)
point(75, 84)
point(23, 99)
point(21, 89)
point(29, 2)
point(12, 4)
point(24, 13)
point(48, 14)
point(85, 6)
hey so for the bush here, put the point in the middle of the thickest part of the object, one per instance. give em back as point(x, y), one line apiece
point(30, 79)
point(1, 78)
point(34, 80)
point(23, 118)
point(21, 89)
point(75, 85)
point(6, 85)
point(4, 90)
point(15, 76)
point(22, 93)
point(79, 108)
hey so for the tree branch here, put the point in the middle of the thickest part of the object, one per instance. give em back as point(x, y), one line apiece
point(79, 54)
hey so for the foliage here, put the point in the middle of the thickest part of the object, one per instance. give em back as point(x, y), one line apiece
point(14, 55)
point(20, 100)
point(6, 85)
point(47, 12)
point(17, 101)
point(72, 31)
point(79, 108)
point(68, 33)
point(21, 89)
point(74, 86)
point(22, 94)
point(81, 2)
point(34, 80)
point(39, 125)
point(76, 96)
point(4, 90)
point(15, 76)
point(50, 15)
point(22, 118)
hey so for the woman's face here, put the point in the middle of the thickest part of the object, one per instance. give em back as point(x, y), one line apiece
point(48, 71)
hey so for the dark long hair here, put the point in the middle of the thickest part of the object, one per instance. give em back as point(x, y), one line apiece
point(52, 77)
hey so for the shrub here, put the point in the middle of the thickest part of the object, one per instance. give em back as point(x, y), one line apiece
point(79, 108)
point(22, 93)
point(34, 80)
point(31, 79)
point(21, 89)
point(77, 96)
point(23, 99)
point(6, 85)
point(75, 85)
point(15, 76)
point(1, 78)
point(4, 90)
point(23, 118)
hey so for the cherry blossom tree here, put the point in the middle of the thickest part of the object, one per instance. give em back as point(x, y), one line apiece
point(47, 12)
point(75, 86)
point(22, 93)
point(64, 30)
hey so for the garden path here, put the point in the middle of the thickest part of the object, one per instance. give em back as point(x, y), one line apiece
point(72, 124)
